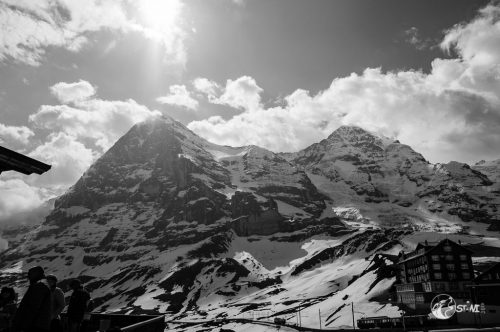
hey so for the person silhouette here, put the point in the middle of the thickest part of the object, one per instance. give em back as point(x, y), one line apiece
point(34, 312)
point(8, 306)
point(58, 303)
point(78, 305)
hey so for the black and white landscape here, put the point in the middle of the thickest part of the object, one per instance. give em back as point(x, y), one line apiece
point(166, 221)
point(220, 159)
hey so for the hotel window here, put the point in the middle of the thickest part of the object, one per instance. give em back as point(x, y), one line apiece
point(449, 257)
point(439, 286)
point(464, 266)
point(463, 257)
point(438, 275)
point(436, 266)
point(450, 267)
point(435, 258)
point(452, 276)
point(447, 248)
point(466, 275)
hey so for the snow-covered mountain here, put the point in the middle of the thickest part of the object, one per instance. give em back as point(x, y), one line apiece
point(166, 221)
point(492, 170)
point(352, 163)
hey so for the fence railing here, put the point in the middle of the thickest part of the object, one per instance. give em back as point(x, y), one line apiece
point(124, 323)
point(156, 324)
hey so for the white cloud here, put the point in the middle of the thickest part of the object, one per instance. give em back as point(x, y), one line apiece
point(477, 41)
point(27, 28)
point(242, 93)
point(18, 197)
point(68, 157)
point(179, 96)
point(101, 121)
point(19, 134)
point(70, 92)
point(22, 202)
point(413, 37)
point(210, 88)
point(478, 44)
point(25, 199)
point(30, 27)
point(453, 113)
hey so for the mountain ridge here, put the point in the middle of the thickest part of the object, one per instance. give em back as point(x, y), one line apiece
point(167, 221)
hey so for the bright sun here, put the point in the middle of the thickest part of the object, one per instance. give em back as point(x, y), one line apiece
point(160, 15)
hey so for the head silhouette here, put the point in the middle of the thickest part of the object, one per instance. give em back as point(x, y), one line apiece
point(75, 284)
point(52, 280)
point(8, 294)
point(35, 274)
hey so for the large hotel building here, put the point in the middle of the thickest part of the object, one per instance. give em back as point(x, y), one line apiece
point(445, 267)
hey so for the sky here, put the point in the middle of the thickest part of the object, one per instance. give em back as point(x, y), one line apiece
point(75, 75)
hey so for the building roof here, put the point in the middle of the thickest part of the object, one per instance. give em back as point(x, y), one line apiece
point(426, 248)
point(13, 161)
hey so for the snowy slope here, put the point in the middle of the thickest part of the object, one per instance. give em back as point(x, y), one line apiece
point(389, 181)
point(166, 221)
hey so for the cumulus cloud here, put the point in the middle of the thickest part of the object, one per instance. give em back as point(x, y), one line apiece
point(18, 197)
point(179, 96)
point(68, 157)
point(25, 199)
point(70, 92)
point(452, 113)
point(33, 26)
point(207, 87)
point(19, 134)
point(478, 44)
point(242, 93)
point(101, 121)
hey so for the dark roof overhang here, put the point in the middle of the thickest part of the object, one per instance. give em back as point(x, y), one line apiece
point(13, 161)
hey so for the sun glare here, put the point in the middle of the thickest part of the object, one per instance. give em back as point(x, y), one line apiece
point(160, 15)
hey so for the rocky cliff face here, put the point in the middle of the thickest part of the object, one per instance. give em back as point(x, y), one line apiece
point(372, 167)
point(167, 221)
point(378, 170)
point(492, 170)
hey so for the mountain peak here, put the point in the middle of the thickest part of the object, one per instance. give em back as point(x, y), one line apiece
point(156, 121)
point(345, 129)
point(165, 126)
point(356, 135)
